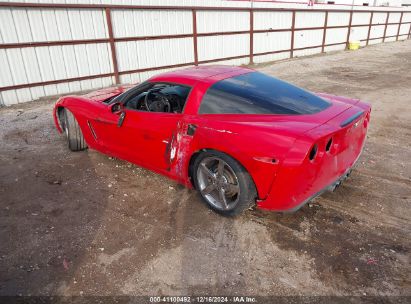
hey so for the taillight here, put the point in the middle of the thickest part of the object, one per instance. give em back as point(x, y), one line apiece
point(366, 120)
point(313, 152)
point(328, 146)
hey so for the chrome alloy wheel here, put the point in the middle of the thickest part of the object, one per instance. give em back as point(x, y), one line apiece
point(218, 183)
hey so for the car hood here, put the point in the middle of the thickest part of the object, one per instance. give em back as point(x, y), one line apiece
point(103, 94)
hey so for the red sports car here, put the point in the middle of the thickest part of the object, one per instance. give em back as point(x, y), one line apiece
point(238, 136)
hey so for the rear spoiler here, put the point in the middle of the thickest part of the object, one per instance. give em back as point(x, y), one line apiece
point(351, 119)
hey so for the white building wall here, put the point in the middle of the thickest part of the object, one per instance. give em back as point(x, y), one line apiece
point(48, 63)
point(394, 3)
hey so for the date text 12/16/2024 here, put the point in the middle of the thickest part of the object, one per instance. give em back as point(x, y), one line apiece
point(202, 299)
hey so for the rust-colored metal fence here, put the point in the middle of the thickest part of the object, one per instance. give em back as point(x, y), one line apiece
point(112, 40)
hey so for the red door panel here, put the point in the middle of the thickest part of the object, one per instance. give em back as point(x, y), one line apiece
point(143, 138)
point(147, 137)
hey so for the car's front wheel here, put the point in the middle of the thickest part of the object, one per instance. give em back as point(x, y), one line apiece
point(73, 132)
point(223, 183)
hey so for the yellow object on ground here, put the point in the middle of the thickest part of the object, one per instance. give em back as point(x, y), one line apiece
point(353, 45)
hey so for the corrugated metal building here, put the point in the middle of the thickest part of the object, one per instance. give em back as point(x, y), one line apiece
point(61, 48)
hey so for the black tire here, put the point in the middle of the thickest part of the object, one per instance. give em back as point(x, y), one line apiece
point(247, 194)
point(73, 132)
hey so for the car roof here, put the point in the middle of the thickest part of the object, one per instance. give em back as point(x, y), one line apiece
point(211, 73)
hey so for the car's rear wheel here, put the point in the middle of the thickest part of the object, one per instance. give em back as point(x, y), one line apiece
point(73, 132)
point(223, 183)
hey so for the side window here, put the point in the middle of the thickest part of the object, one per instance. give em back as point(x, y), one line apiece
point(217, 101)
point(159, 97)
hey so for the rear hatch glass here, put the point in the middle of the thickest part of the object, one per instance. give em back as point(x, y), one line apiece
point(257, 93)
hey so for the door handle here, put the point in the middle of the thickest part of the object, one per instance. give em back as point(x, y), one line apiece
point(191, 129)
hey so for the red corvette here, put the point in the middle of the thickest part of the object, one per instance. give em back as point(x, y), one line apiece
point(238, 136)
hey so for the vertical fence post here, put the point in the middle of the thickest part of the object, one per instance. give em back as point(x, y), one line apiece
point(324, 32)
point(112, 45)
point(251, 36)
point(194, 12)
point(386, 25)
point(409, 31)
point(399, 26)
point(349, 30)
point(292, 35)
point(369, 28)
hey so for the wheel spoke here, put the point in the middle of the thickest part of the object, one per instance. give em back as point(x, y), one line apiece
point(208, 189)
point(231, 188)
point(206, 171)
point(223, 199)
point(218, 183)
point(220, 168)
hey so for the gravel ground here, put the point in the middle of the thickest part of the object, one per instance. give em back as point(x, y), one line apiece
point(86, 224)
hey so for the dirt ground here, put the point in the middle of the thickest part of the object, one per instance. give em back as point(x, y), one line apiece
point(85, 224)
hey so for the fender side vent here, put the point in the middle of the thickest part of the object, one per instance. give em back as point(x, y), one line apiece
point(92, 130)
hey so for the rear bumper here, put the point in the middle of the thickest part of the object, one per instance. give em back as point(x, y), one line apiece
point(330, 188)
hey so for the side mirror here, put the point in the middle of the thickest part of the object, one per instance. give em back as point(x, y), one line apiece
point(116, 108)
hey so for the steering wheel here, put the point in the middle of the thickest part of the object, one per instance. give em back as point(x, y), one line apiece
point(159, 102)
point(175, 102)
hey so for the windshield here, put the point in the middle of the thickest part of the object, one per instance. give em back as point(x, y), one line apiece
point(257, 93)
